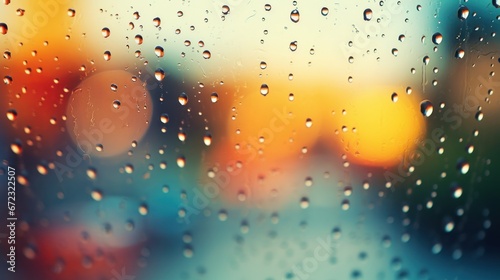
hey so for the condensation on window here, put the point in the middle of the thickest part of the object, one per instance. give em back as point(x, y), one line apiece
point(249, 139)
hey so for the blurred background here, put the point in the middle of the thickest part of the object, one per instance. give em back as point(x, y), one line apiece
point(251, 139)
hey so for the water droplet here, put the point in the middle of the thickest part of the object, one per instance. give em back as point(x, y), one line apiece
point(347, 190)
point(20, 12)
point(449, 226)
point(143, 209)
point(222, 215)
point(225, 9)
point(463, 13)
point(71, 12)
point(7, 80)
point(183, 98)
point(156, 21)
point(16, 148)
point(309, 123)
point(264, 89)
point(164, 118)
point(457, 191)
point(479, 116)
point(138, 39)
point(42, 169)
point(105, 32)
point(92, 173)
point(293, 46)
point(207, 54)
point(345, 204)
point(394, 97)
point(470, 149)
point(336, 233)
point(437, 38)
point(214, 97)
point(116, 104)
point(395, 52)
point(367, 14)
point(96, 195)
point(463, 166)
point(263, 65)
point(7, 55)
point(181, 161)
point(107, 55)
point(304, 203)
point(426, 108)
point(207, 139)
point(11, 115)
point(386, 241)
point(159, 51)
point(129, 168)
point(324, 11)
point(459, 53)
point(295, 16)
point(159, 74)
point(436, 248)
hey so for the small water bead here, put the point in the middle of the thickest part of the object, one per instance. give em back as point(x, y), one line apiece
point(156, 21)
point(449, 226)
point(463, 13)
point(459, 53)
point(71, 12)
point(304, 203)
point(426, 60)
point(457, 191)
point(345, 205)
point(293, 46)
point(479, 116)
point(105, 32)
point(207, 139)
point(295, 16)
point(214, 97)
point(463, 166)
point(225, 9)
point(183, 99)
point(116, 104)
point(207, 54)
point(143, 209)
point(159, 74)
point(394, 97)
point(263, 65)
point(11, 115)
point(368, 14)
point(436, 248)
point(107, 55)
point(138, 39)
point(159, 52)
point(395, 52)
point(164, 118)
point(264, 89)
point(309, 123)
point(181, 161)
point(92, 173)
point(426, 108)
point(324, 11)
point(437, 38)
point(96, 195)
